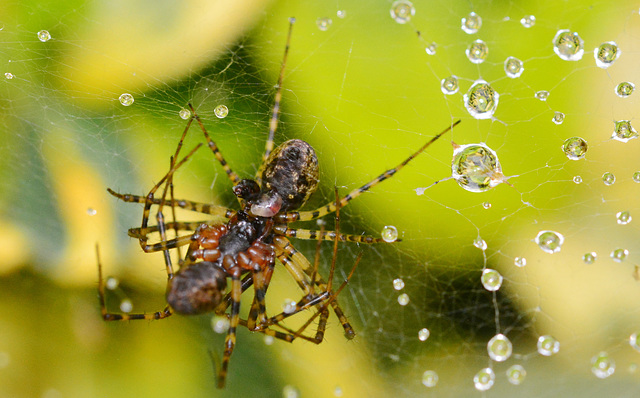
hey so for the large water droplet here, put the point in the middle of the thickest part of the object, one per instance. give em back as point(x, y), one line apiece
point(449, 85)
point(528, 21)
point(623, 131)
point(430, 378)
point(624, 89)
point(220, 324)
point(516, 374)
point(608, 178)
point(126, 99)
point(606, 54)
point(568, 46)
point(590, 258)
point(484, 379)
point(398, 284)
point(471, 23)
point(491, 279)
point(477, 51)
point(389, 233)
point(558, 117)
point(575, 148)
point(476, 167)
point(403, 299)
point(323, 23)
point(44, 35)
point(221, 111)
point(513, 67)
point(619, 255)
point(602, 365)
point(481, 100)
point(548, 345)
point(184, 114)
point(423, 334)
point(402, 11)
point(549, 241)
point(623, 217)
point(499, 348)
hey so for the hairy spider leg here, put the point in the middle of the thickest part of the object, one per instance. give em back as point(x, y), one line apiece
point(308, 234)
point(230, 340)
point(290, 217)
point(273, 123)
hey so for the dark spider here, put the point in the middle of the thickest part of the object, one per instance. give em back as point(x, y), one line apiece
point(251, 240)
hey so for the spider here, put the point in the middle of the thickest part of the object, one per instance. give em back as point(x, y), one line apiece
point(253, 238)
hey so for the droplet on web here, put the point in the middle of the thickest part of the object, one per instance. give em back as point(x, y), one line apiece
point(590, 258)
point(323, 23)
point(477, 52)
point(484, 379)
point(126, 99)
point(548, 345)
point(606, 54)
point(476, 167)
point(623, 217)
point(623, 131)
point(430, 378)
point(558, 117)
point(481, 100)
point(44, 36)
point(575, 148)
point(471, 23)
point(513, 67)
point(516, 374)
point(398, 284)
point(528, 21)
point(449, 85)
point(619, 255)
point(542, 95)
point(423, 334)
point(403, 299)
point(402, 11)
point(608, 178)
point(520, 262)
point(221, 111)
point(184, 114)
point(499, 348)
point(625, 89)
point(389, 233)
point(602, 365)
point(491, 279)
point(549, 241)
point(568, 45)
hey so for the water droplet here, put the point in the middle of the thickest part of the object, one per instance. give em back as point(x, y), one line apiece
point(590, 258)
point(513, 67)
point(602, 366)
point(431, 50)
point(623, 131)
point(112, 283)
point(430, 378)
point(634, 341)
point(636, 177)
point(323, 23)
point(398, 284)
point(486, 205)
point(528, 21)
point(476, 167)
point(619, 255)
point(44, 36)
point(288, 306)
point(220, 324)
point(184, 114)
point(477, 51)
point(558, 117)
point(625, 89)
point(608, 178)
point(606, 54)
point(480, 243)
point(268, 340)
point(575, 148)
point(389, 233)
point(449, 85)
point(402, 11)
point(423, 334)
point(481, 100)
point(542, 95)
point(471, 23)
point(577, 179)
point(549, 241)
point(491, 279)
point(568, 46)
point(484, 379)
point(221, 111)
point(623, 217)
point(337, 391)
point(341, 13)
point(126, 99)
point(520, 261)
point(91, 211)
point(403, 299)
point(548, 345)
point(126, 306)
point(499, 348)
point(516, 374)
point(290, 391)
point(8, 76)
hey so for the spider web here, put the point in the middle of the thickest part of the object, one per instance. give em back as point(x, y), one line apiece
point(365, 94)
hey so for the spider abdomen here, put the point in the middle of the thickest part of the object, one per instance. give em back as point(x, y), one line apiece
point(197, 289)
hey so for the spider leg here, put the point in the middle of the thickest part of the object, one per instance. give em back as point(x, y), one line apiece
point(308, 234)
point(289, 217)
point(230, 340)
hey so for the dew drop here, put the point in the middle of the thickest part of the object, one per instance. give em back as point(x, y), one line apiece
point(606, 54)
point(486, 205)
point(112, 283)
point(634, 341)
point(636, 177)
point(499, 348)
point(484, 379)
point(602, 366)
point(491, 279)
point(619, 255)
point(516, 374)
point(575, 148)
point(221, 111)
point(520, 262)
point(220, 324)
point(480, 243)
point(290, 391)
point(608, 178)
point(471, 23)
point(126, 99)
point(323, 23)
point(558, 117)
point(590, 258)
point(623, 131)
point(184, 114)
point(542, 95)
point(449, 85)
point(423, 334)
point(477, 51)
point(288, 306)
point(341, 13)
point(398, 284)
point(548, 345)
point(91, 211)
point(8, 76)
point(126, 306)
point(389, 233)
point(549, 241)
point(476, 167)
point(402, 11)
point(577, 179)
point(430, 378)
point(624, 89)
point(623, 217)
point(481, 100)
point(513, 67)
point(568, 46)
point(44, 36)
point(528, 21)
point(431, 50)
point(403, 299)
point(337, 391)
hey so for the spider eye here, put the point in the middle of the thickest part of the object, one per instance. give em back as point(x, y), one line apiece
point(268, 205)
point(246, 189)
point(197, 289)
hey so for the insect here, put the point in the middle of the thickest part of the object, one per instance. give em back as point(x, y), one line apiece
point(245, 248)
